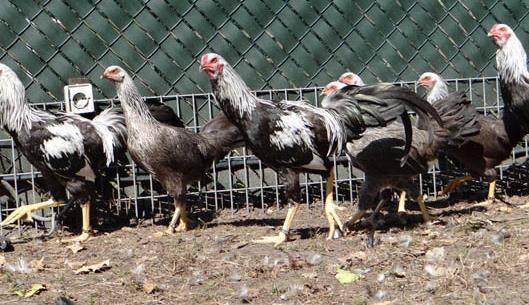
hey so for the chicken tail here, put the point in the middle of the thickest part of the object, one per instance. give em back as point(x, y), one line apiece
point(377, 106)
point(111, 128)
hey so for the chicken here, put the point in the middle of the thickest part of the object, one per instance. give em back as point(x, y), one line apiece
point(458, 124)
point(174, 156)
point(349, 78)
point(68, 149)
point(484, 150)
point(294, 137)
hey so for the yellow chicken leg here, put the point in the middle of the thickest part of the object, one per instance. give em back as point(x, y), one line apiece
point(424, 210)
point(402, 202)
point(490, 195)
point(25, 211)
point(85, 235)
point(283, 234)
point(330, 207)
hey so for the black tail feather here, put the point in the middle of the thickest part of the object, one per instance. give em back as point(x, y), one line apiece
point(377, 106)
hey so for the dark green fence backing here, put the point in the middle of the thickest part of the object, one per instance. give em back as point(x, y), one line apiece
point(273, 44)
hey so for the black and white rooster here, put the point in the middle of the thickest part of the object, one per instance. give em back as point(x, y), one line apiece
point(293, 137)
point(68, 149)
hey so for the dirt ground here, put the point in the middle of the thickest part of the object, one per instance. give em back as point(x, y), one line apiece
point(468, 255)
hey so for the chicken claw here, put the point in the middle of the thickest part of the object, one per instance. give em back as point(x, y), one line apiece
point(25, 211)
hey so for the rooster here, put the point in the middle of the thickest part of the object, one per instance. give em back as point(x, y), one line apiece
point(350, 78)
point(388, 172)
point(486, 149)
point(294, 137)
point(174, 156)
point(68, 149)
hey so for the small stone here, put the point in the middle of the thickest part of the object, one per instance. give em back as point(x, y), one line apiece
point(398, 271)
point(381, 277)
point(284, 297)
point(314, 259)
point(405, 240)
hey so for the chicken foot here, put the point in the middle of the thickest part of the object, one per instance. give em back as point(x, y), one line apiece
point(24, 212)
point(283, 234)
point(330, 209)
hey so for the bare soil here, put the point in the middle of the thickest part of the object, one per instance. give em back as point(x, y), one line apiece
point(468, 255)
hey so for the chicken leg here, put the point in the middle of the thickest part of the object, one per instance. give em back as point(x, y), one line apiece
point(455, 183)
point(490, 195)
point(86, 229)
point(424, 210)
point(180, 216)
point(283, 234)
point(402, 202)
point(330, 208)
point(25, 211)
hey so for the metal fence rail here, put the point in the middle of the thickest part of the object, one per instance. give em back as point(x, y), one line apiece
point(238, 181)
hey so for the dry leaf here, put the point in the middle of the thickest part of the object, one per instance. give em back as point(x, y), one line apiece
point(94, 268)
point(37, 265)
point(2, 261)
point(35, 289)
point(76, 247)
point(149, 286)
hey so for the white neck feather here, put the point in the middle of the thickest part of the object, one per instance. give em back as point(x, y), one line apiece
point(511, 61)
point(439, 91)
point(15, 113)
point(233, 89)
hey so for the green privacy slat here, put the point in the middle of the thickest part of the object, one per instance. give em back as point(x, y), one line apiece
point(272, 43)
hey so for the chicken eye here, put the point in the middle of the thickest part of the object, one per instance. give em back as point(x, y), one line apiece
point(214, 60)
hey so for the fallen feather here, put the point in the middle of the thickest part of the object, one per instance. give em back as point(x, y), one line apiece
point(347, 277)
point(94, 268)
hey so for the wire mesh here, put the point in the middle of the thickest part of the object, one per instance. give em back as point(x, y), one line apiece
point(273, 44)
point(240, 180)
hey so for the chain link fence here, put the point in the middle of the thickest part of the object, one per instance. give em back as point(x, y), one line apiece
point(273, 44)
